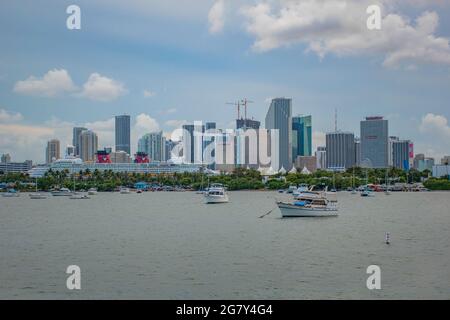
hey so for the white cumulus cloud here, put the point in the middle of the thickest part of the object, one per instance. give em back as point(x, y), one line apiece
point(100, 88)
point(53, 83)
point(216, 17)
point(435, 124)
point(6, 116)
point(339, 27)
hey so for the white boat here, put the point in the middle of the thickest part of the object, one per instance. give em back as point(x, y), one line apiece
point(76, 196)
point(301, 188)
point(11, 193)
point(367, 193)
point(92, 191)
point(216, 194)
point(292, 188)
point(124, 190)
point(315, 208)
point(63, 192)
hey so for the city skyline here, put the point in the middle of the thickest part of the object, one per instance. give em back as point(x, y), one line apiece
point(109, 68)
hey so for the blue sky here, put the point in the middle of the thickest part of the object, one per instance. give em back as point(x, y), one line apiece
point(194, 56)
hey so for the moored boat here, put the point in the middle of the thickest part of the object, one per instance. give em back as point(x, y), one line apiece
point(216, 194)
point(92, 191)
point(315, 208)
point(11, 193)
point(124, 190)
point(63, 192)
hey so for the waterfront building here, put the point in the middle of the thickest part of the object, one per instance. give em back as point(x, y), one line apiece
point(302, 162)
point(418, 157)
point(76, 139)
point(88, 145)
point(441, 170)
point(357, 152)
point(279, 117)
point(402, 154)
point(340, 150)
point(301, 136)
point(154, 167)
point(425, 164)
point(192, 141)
point(321, 157)
point(122, 133)
point(445, 160)
point(52, 152)
point(374, 142)
point(15, 167)
point(153, 144)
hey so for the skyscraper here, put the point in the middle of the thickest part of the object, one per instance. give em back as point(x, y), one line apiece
point(301, 136)
point(321, 157)
point(279, 117)
point(153, 144)
point(357, 152)
point(88, 145)
point(122, 130)
point(374, 142)
point(401, 154)
point(193, 142)
point(53, 151)
point(247, 124)
point(340, 150)
point(76, 139)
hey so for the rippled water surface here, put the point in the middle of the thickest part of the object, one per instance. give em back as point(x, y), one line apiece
point(170, 245)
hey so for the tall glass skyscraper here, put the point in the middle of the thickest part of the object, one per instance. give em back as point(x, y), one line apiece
point(340, 150)
point(76, 139)
point(154, 145)
point(301, 136)
point(122, 128)
point(374, 142)
point(279, 116)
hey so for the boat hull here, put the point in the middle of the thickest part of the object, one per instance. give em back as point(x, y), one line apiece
point(289, 210)
point(209, 199)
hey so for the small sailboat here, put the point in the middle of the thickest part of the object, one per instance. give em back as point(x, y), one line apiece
point(36, 195)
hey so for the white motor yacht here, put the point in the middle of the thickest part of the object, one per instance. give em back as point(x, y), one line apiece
point(216, 194)
point(63, 192)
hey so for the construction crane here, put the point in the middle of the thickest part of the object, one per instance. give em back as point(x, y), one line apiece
point(238, 105)
point(244, 103)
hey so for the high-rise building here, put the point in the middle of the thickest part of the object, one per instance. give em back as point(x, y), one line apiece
point(401, 154)
point(70, 151)
point(445, 160)
point(88, 145)
point(6, 158)
point(279, 117)
point(122, 131)
point(76, 139)
point(340, 150)
point(357, 152)
point(247, 124)
point(153, 144)
point(170, 145)
point(419, 157)
point(425, 164)
point(301, 136)
point(53, 151)
point(374, 142)
point(192, 141)
point(321, 157)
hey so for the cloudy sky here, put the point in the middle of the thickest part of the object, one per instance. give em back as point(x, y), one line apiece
point(172, 61)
